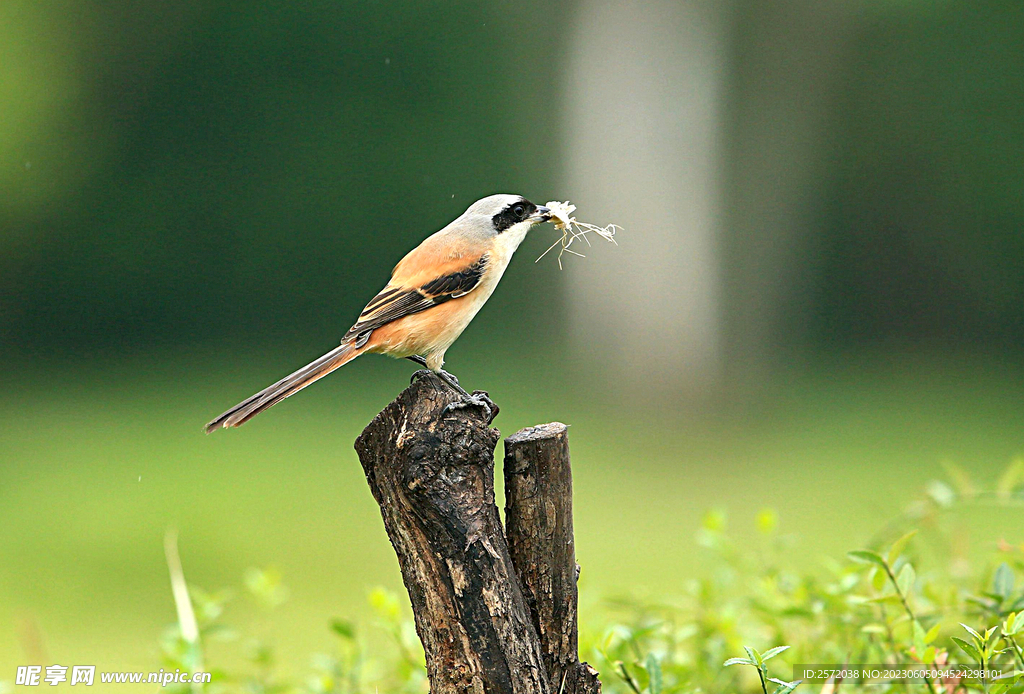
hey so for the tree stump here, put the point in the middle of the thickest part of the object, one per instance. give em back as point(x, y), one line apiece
point(538, 525)
point(432, 475)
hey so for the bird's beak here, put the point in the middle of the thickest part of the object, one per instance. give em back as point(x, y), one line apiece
point(542, 214)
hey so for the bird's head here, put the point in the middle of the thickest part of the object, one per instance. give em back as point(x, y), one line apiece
point(499, 215)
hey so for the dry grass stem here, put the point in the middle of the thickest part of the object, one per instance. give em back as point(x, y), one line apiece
point(561, 215)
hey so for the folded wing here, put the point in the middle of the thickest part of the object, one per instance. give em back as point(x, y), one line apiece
point(394, 302)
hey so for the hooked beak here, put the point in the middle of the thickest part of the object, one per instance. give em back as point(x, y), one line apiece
point(542, 214)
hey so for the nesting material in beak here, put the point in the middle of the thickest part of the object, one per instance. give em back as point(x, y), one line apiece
point(561, 215)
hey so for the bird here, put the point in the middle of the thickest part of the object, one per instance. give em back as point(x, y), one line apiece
point(434, 293)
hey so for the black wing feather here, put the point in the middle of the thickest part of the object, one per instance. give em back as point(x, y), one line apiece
point(456, 284)
point(394, 303)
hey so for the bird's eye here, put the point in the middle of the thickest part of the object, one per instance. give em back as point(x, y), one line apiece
point(519, 211)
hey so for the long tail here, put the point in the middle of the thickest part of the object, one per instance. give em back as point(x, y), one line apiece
point(289, 385)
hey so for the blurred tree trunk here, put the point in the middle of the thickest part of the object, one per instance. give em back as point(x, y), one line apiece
point(642, 129)
point(698, 126)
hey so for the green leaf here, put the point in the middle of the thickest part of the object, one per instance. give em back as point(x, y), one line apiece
point(929, 655)
point(754, 655)
point(932, 634)
point(878, 578)
point(772, 652)
point(864, 556)
point(1012, 624)
point(653, 674)
point(1002, 584)
point(897, 547)
point(343, 628)
point(918, 635)
point(905, 579)
point(968, 648)
point(739, 661)
point(973, 633)
point(784, 687)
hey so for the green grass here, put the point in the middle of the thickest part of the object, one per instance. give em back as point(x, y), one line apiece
point(98, 462)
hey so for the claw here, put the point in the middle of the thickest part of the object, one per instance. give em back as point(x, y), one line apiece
point(480, 399)
point(417, 375)
point(483, 395)
point(451, 376)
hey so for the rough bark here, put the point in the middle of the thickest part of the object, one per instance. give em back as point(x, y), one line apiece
point(433, 478)
point(539, 528)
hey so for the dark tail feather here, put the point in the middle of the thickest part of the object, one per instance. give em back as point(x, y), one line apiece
point(289, 385)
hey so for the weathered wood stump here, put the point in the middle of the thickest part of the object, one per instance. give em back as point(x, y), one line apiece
point(538, 525)
point(433, 477)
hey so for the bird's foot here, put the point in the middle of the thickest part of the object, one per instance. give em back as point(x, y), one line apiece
point(448, 378)
point(417, 375)
point(479, 398)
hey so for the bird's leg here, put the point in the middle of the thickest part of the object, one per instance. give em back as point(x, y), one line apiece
point(443, 375)
point(452, 381)
point(417, 375)
point(478, 398)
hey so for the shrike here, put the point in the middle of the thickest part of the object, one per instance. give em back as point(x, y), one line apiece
point(434, 292)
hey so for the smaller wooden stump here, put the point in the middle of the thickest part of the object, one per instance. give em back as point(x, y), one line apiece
point(539, 529)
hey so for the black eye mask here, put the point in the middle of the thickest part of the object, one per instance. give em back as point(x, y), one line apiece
point(507, 217)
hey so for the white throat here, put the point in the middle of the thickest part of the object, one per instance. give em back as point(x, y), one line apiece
point(508, 241)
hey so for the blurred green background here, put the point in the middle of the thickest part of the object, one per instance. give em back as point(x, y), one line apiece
point(818, 297)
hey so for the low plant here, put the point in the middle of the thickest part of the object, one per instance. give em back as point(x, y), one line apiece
point(912, 600)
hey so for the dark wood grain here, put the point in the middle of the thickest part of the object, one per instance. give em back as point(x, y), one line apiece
point(433, 477)
point(539, 528)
